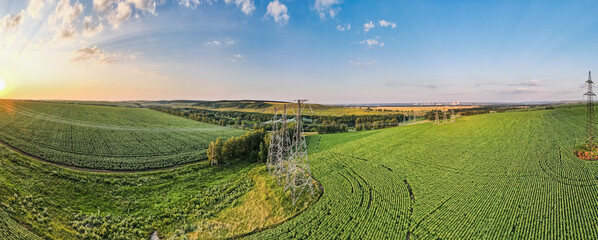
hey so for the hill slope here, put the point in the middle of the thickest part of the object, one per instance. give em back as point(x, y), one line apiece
point(101, 137)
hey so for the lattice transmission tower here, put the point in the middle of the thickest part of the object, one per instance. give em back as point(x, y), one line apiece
point(287, 157)
point(299, 172)
point(453, 116)
point(590, 106)
point(273, 146)
point(444, 120)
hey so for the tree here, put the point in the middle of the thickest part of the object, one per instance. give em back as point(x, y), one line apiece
point(228, 150)
point(215, 152)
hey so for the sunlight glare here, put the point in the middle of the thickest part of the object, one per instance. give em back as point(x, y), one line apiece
point(2, 84)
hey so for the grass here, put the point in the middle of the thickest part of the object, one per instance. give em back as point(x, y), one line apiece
point(502, 176)
point(103, 137)
point(57, 203)
point(511, 175)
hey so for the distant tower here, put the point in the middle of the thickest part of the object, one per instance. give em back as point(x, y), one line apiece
point(453, 116)
point(590, 106)
point(272, 160)
point(414, 117)
point(444, 117)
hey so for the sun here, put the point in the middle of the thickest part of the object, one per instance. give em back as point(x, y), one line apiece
point(2, 84)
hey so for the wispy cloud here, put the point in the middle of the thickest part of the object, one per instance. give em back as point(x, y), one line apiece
point(62, 21)
point(384, 23)
point(236, 58)
point(144, 5)
point(360, 64)
point(91, 29)
point(96, 55)
point(343, 28)
point(247, 6)
point(10, 21)
point(189, 3)
point(278, 11)
point(327, 8)
point(121, 14)
point(372, 42)
point(518, 91)
point(528, 83)
point(213, 43)
point(429, 86)
point(368, 26)
point(103, 5)
point(34, 7)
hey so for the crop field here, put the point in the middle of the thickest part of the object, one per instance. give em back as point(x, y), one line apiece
point(509, 175)
point(103, 137)
point(42, 201)
point(501, 176)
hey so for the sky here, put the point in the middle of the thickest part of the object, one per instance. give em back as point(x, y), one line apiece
point(328, 51)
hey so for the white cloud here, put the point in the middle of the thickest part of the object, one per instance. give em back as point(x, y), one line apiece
point(343, 28)
point(103, 5)
point(528, 83)
point(368, 26)
point(121, 14)
point(89, 29)
point(213, 43)
point(34, 7)
point(94, 54)
point(384, 23)
point(247, 6)
point(372, 42)
point(188, 3)
point(237, 57)
point(144, 5)
point(63, 19)
point(10, 21)
point(226, 41)
point(278, 11)
point(326, 7)
point(360, 64)
point(518, 91)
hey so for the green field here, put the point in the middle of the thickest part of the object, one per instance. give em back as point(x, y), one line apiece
point(104, 137)
point(506, 175)
point(499, 176)
point(191, 202)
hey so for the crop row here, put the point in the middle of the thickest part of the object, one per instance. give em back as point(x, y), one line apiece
point(501, 176)
point(55, 132)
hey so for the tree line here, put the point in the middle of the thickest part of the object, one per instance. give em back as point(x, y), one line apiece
point(252, 146)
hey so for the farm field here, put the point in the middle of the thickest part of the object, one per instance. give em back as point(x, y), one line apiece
point(103, 137)
point(500, 176)
point(307, 120)
point(42, 201)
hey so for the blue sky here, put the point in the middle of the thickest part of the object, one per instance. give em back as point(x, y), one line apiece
point(393, 51)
